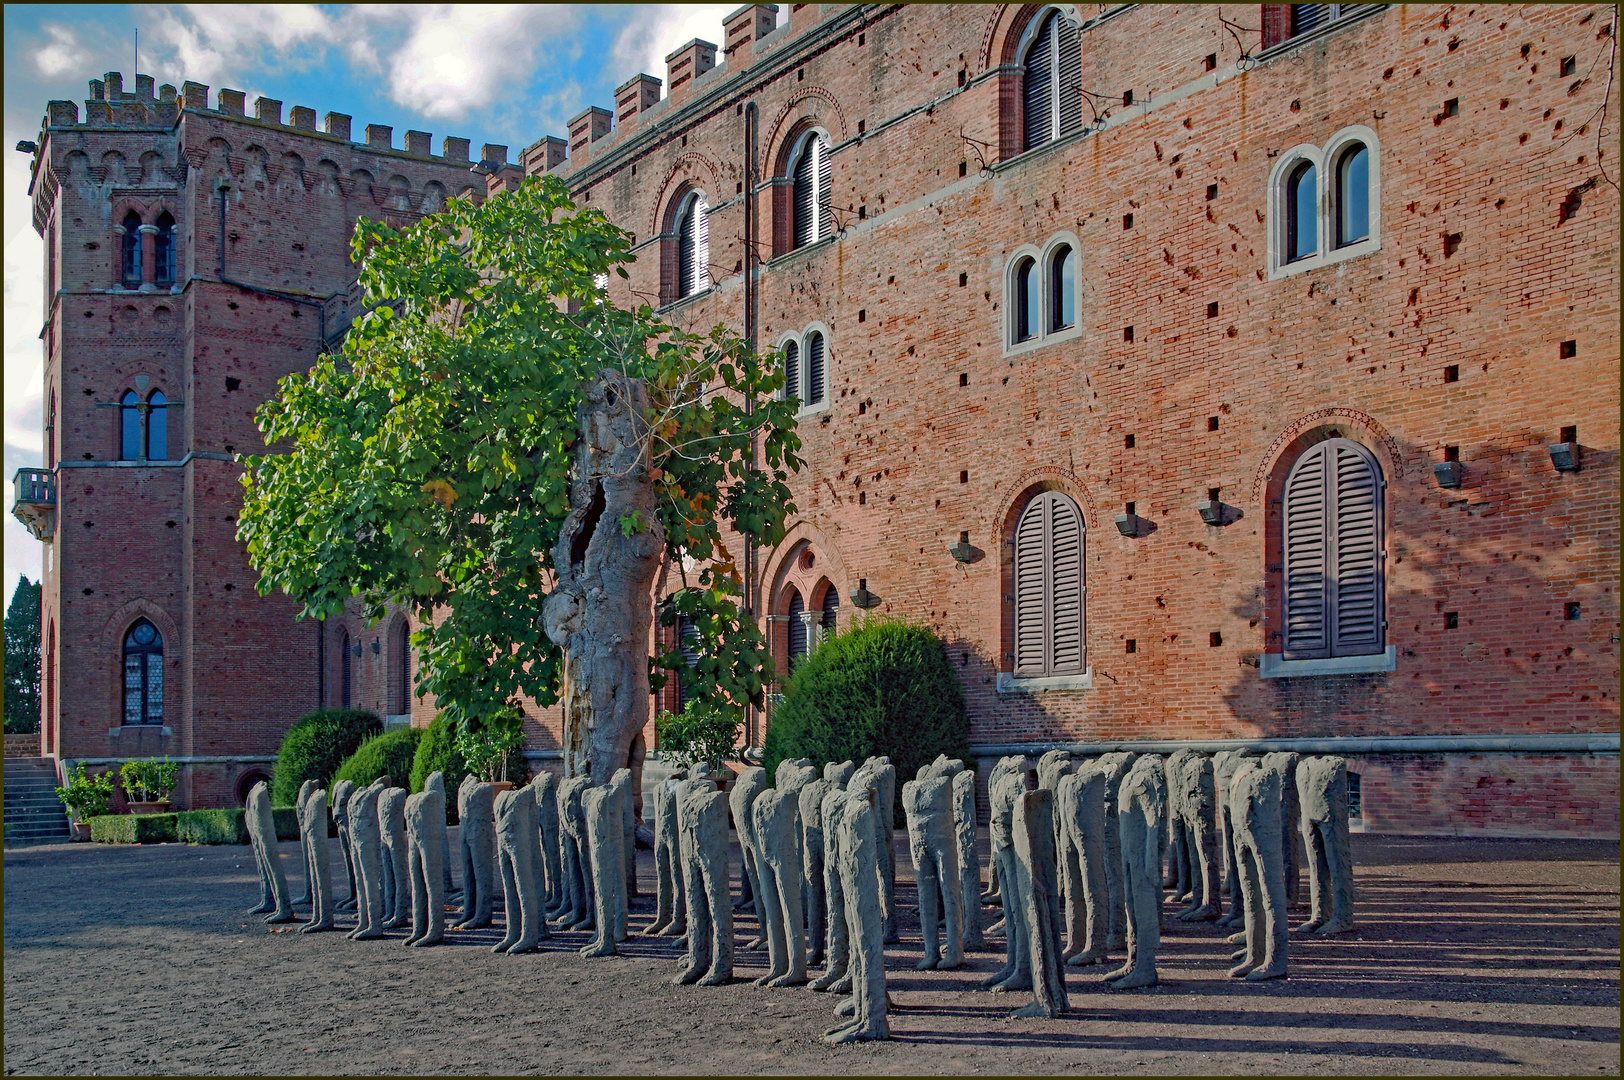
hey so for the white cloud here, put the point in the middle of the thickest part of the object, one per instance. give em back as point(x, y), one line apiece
point(62, 55)
point(660, 29)
point(24, 360)
point(457, 58)
point(214, 43)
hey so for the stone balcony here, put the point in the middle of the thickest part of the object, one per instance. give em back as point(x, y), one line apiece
point(35, 505)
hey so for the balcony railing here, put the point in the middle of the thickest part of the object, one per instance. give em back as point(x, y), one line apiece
point(35, 504)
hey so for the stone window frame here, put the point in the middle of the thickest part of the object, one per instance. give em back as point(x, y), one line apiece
point(801, 339)
point(1324, 159)
point(1042, 258)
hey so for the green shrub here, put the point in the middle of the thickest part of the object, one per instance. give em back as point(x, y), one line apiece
point(212, 827)
point(437, 752)
point(86, 796)
point(700, 733)
point(148, 779)
point(287, 823)
point(316, 746)
point(132, 828)
point(885, 687)
point(390, 754)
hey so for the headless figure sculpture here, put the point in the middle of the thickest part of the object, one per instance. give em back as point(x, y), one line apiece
point(318, 860)
point(994, 894)
point(397, 890)
point(476, 845)
point(749, 785)
point(341, 817)
point(1115, 766)
point(670, 916)
point(837, 954)
point(1141, 803)
point(776, 819)
point(1198, 802)
point(812, 863)
point(1016, 974)
point(601, 807)
point(928, 804)
point(964, 834)
point(519, 854)
point(273, 886)
point(1255, 808)
point(702, 843)
point(425, 848)
point(1033, 826)
point(859, 865)
point(1179, 877)
point(1224, 764)
point(1322, 794)
point(626, 852)
point(1285, 763)
point(1081, 796)
point(1053, 767)
point(305, 789)
point(435, 781)
point(881, 775)
point(577, 858)
point(544, 791)
point(366, 846)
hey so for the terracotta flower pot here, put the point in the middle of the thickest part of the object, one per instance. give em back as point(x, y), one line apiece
point(150, 807)
point(502, 785)
point(81, 830)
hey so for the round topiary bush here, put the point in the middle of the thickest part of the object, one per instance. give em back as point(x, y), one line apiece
point(316, 746)
point(885, 687)
point(437, 752)
point(391, 754)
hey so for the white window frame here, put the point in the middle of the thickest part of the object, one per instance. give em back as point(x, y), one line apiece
point(806, 139)
point(1067, 13)
point(804, 374)
point(1324, 159)
point(1041, 258)
point(684, 208)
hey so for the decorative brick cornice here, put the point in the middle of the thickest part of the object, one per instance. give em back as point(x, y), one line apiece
point(1395, 459)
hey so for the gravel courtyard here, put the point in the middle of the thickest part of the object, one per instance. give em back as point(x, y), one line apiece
point(1472, 957)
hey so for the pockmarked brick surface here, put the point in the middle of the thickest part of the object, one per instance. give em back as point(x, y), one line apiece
point(1471, 957)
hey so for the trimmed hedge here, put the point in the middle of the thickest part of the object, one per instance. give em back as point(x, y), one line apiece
point(316, 746)
point(133, 828)
point(391, 754)
point(437, 752)
point(885, 687)
point(211, 827)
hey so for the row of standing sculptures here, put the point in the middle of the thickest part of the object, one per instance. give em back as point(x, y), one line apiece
point(1081, 853)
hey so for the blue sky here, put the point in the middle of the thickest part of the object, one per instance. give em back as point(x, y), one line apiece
point(489, 73)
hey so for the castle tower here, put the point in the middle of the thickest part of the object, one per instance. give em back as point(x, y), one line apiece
point(194, 256)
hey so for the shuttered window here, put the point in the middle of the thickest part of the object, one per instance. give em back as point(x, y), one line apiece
point(1334, 584)
point(814, 369)
point(1049, 587)
point(797, 629)
point(130, 250)
point(831, 607)
point(693, 247)
point(687, 644)
point(792, 369)
point(1051, 88)
point(811, 200)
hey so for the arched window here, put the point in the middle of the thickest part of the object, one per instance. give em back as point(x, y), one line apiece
point(1049, 587)
point(345, 671)
point(814, 369)
point(129, 427)
point(1026, 300)
point(130, 250)
point(810, 191)
point(797, 629)
point(693, 247)
point(792, 369)
point(1334, 588)
point(1051, 87)
point(157, 427)
point(400, 660)
point(1353, 195)
point(1062, 288)
point(166, 249)
point(831, 607)
point(687, 637)
point(1302, 212)
point(143, 674)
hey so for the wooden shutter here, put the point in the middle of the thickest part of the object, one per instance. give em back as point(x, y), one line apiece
point(1356, 594)
point(804, 197)
point(1068, 76)
point(1049, 587)
point(685, 251)
point(1305, 535)
point(687, 635)
point(792, 370)
point(797, 629)
point(1334, 576)
point(701, 266)
point(814, 368)
point(1305, 17)
point(831, 607)
point(1036, 89)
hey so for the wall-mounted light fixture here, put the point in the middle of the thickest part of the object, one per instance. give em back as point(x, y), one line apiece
point(1130, 523)
point(962, 551)
point(862, 597)
point(1449, 472)
point(1215, 512)
point(1565, 454)
point(356, 648)
point(375, 647)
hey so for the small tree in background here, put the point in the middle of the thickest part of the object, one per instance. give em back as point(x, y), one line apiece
point(23, 658)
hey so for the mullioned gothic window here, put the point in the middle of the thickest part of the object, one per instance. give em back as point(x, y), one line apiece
point(143, 674)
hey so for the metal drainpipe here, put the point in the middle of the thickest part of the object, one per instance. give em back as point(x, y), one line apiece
point(223, 186)
point(750, 552)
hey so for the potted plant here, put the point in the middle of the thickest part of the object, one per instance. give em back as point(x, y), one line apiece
point(147, 784)
point(702, 733)
point(489, 748)
point(85, 797)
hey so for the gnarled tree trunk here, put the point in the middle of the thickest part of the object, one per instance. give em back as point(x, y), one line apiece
point(600, 610)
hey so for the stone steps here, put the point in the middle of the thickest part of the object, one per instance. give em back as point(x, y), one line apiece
point(33, 813)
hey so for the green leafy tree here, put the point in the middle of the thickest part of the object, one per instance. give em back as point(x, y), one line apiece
point(22, 658)
point(513, 457)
